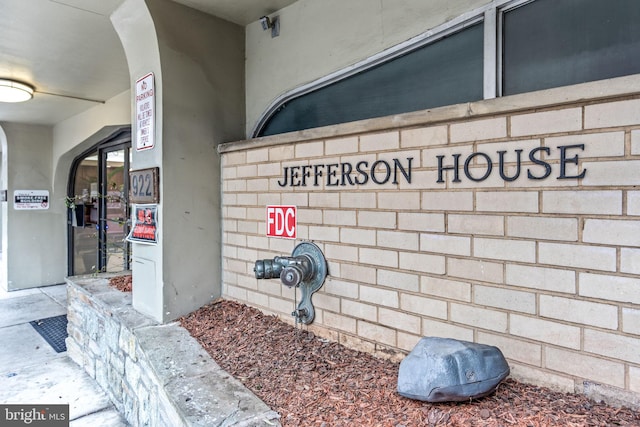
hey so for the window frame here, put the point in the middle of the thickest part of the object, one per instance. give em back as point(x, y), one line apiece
point(455, 25)
point(492, 17)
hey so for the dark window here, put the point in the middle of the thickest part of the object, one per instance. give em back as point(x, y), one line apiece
point(552, 43)
point(448, 71)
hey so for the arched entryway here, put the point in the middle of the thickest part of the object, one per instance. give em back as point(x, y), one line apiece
point(99, 214)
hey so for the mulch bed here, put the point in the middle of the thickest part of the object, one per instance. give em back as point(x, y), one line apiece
point(121, 283)
point(311, 381)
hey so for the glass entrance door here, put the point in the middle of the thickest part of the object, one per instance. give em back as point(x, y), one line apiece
point(113, 249)
point(99, 210)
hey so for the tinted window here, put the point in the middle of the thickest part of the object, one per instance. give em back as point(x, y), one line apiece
point(551, 43)
point(446, 72)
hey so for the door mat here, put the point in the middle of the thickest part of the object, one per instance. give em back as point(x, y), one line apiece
point(53, 330)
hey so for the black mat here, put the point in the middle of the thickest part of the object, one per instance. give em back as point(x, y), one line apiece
point(53, 330)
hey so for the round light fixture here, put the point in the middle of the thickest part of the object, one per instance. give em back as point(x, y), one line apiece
point(11, 91)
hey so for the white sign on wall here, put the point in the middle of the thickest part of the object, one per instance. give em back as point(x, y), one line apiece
point(30, 199)
point(145, 113)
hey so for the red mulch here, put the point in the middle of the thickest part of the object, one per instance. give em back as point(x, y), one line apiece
point(121, 283)
point(311, 381)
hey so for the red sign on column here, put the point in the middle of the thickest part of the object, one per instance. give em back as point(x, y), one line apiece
point(282, 221)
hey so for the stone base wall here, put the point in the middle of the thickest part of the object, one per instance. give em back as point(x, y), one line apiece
point(156, 375)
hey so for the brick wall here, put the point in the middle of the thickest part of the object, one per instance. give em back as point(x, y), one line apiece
point(544, 264)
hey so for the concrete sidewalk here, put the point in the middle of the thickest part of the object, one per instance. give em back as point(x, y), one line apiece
point(31, 372)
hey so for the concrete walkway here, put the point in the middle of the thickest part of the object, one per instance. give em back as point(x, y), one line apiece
point(31, 372)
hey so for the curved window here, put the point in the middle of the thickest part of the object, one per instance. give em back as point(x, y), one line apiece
point(508, 47)
point(448, 71)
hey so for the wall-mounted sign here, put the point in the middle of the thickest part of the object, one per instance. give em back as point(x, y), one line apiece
point(31, 199)
point(340, 174)
point(475, 166)
point(145, 113)
point(145, 225)
point(282, 221)
point(144, 186)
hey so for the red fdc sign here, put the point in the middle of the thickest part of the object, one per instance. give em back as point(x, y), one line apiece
point(282, 221)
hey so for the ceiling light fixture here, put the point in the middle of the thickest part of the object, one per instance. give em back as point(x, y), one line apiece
point(12, 91)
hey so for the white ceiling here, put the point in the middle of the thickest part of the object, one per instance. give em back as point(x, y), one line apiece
point(69, 52)
point(241, 12)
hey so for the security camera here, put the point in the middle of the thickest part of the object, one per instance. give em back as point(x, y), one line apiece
point(273, 23)
point(265, 22)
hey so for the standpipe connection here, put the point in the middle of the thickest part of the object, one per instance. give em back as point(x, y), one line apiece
point(306, 269)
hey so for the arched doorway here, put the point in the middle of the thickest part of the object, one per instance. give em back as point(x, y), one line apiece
point(99, 214)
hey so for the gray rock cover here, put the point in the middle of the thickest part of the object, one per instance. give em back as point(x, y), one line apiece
point(445, 370)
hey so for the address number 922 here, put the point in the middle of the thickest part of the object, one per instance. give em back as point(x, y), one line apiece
point(143, 186)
